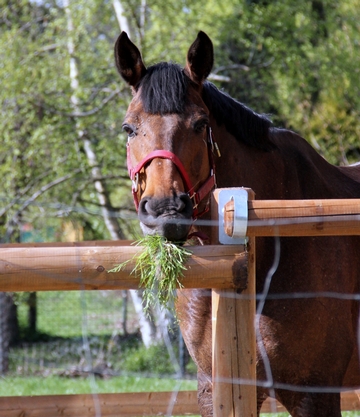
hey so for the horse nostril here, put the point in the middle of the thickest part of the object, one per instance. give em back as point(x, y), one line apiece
point(181, 205)
point(153, 207)
point(145, 206)
point(185, 204)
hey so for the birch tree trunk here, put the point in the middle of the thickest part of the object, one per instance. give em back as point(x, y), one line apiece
point(159, 331)
point(102, 193)
point(120, 16)
point(112, 224)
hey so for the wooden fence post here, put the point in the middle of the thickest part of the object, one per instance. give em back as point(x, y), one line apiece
point(234, 341)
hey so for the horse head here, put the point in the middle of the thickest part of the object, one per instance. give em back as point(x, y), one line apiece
point(169, 149)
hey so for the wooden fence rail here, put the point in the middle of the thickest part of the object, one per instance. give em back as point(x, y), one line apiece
point(127, 404)
point(62, 267)
point(298, 217)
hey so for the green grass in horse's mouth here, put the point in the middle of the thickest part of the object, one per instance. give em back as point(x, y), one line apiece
point(160, 266)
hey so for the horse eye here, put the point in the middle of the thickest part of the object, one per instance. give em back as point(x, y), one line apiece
point(129, 130)
point(200, 125)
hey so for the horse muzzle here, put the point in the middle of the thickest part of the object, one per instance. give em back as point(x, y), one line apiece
point(170, 217)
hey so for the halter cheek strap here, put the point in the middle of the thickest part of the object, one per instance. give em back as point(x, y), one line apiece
point(195, 196)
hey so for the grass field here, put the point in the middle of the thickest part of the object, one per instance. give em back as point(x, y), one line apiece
point(69, 313)
point(79, 333)
point(59, 385)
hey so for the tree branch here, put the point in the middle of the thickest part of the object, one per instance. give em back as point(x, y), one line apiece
point(43, 189)
point(223, 78)
point(111, 208)
point(78, 113)
point(22, 192)
point(230, 67)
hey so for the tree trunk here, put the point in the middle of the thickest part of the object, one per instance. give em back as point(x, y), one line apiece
point(9, 325)
point(8, 329)
point(120, 16)
point(32, 312)
point(102, 193)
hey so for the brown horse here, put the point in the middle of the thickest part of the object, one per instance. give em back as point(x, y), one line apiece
point(308, 351)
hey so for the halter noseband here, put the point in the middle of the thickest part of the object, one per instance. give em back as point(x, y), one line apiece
point(195, 196)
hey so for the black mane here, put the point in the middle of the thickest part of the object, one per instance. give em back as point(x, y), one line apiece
point(163, 90)
point(247, 126)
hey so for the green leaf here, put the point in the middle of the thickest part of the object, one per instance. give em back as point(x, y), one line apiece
point(160, 266)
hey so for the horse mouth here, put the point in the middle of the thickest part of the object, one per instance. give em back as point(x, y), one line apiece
point(170, 217)
point(173, 228)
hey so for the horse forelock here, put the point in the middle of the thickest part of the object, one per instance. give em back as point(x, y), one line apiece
point(249, 127)
point(164, 88)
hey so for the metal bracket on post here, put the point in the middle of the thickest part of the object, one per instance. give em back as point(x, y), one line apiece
point(240, 198)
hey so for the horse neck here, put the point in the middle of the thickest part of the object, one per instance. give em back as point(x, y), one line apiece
point(293, 170)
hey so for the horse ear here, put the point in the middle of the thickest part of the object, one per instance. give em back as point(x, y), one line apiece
point(200, 58)
point(128, 60)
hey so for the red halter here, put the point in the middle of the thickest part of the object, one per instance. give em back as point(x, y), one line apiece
point(195, 196)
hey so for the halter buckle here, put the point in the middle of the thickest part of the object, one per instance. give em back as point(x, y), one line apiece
point(135, 182)
point(194, 201)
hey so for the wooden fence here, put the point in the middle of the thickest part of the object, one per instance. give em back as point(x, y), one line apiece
point(42, 267)
point(127, 405)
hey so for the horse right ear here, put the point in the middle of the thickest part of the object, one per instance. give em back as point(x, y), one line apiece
point(128, 60)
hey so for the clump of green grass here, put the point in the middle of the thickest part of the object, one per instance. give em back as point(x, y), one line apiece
point(160, 266)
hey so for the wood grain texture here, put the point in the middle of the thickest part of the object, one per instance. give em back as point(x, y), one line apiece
point(299, 217)
point(109, 405)
point(73, 267)
point(128, 404)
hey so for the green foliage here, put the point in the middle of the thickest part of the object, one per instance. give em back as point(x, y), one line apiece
point(152, 360)
point(39, 140)
point(160, 266)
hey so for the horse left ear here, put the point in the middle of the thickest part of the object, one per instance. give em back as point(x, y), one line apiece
point(200, 58)
point(128, 60)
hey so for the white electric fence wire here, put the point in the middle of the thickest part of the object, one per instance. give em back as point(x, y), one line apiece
point(164, 330)
point(88, 356)
point(86, 346)
point(261, 303)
